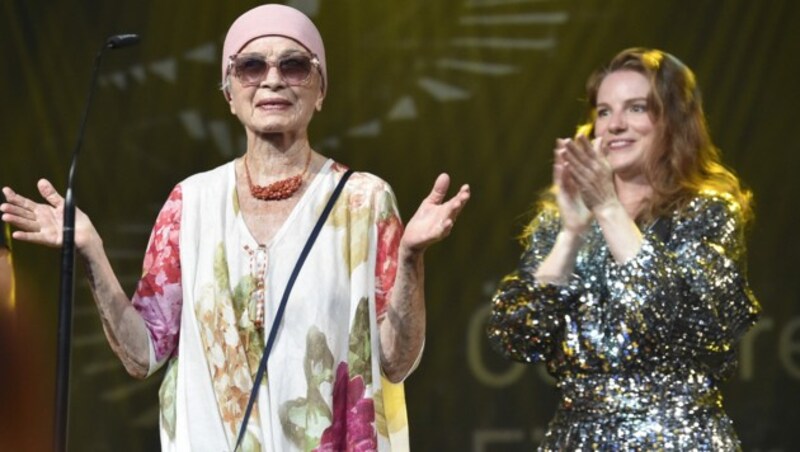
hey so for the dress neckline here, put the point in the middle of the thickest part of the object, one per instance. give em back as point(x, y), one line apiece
point(313, 185)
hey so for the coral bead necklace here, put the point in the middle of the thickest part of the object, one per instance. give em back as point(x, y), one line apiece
point(278, 190)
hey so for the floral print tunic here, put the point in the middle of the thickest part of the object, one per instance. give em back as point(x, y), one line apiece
point(637, 348)
point(209, 293)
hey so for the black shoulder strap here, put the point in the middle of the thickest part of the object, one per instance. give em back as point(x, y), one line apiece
point(273, 332)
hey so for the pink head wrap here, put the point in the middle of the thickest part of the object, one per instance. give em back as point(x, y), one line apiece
point(271, 20)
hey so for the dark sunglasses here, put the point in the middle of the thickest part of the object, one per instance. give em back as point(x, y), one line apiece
point(251, 68)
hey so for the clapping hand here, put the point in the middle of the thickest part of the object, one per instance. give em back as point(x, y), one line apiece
point(589, 171)
point(435, 217)
point(574, 213)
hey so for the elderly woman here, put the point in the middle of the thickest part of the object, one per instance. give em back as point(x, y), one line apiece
point(632, 287)
point(222, 251)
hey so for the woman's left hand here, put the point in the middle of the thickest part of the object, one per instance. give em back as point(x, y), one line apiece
point(591, 172)
point(435, 217)
point(595, 180)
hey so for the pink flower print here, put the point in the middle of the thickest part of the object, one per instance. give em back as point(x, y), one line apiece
point(390, 230)
point(353, 427)
point(159, 295)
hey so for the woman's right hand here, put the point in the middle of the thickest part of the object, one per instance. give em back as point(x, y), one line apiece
point(575, 216)
point(43, 223)
point(559, 264)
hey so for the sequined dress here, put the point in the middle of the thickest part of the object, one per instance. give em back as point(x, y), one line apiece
point(637, 348)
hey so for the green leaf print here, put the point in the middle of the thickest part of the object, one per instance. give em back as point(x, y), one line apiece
point(221, 267)
point(241, 299)
point(387, 205)
point(305, 418)
point(360, 356)
point(166, 397)
point(250, 443)
point(252, 337)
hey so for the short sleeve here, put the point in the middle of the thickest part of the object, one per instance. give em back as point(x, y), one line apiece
point(159, 295)
point(389, 231)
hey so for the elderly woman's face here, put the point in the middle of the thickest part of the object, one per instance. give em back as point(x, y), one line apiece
point(279, 101)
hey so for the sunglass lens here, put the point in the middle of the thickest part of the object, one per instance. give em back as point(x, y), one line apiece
point(295, 69)
point(250, 69)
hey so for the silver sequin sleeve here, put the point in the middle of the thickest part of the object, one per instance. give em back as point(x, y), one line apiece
point(528, 317)
point(690, 291)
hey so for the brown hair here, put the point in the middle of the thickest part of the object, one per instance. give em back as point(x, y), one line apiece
point(686, 161)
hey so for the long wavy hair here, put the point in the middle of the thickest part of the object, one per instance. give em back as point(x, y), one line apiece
point(685, 161)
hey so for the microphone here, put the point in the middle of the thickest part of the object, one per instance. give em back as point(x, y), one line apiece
point(66, 291)
point(123, 40)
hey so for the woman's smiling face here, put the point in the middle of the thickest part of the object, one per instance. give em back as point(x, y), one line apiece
point(624, 122)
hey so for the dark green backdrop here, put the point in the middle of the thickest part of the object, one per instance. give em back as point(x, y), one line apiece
point(478, 88)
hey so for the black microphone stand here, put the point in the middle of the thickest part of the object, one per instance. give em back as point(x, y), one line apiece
point(68, 262)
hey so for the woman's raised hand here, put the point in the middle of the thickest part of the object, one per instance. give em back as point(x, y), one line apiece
point(590, 171)
point(42, 223)
point(435, 217)
point(574, 213)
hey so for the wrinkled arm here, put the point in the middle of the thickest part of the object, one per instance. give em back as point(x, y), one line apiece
point(402, 329)
point(41, 223)
point(122, 325)
point(143, 331)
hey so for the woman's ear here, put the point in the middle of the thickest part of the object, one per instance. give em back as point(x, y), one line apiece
point(229, 99)
point(320, 98)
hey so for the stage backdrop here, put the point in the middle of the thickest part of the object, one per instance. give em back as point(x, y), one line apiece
point(478, 88)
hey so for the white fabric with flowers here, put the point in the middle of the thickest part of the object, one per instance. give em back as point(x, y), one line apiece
point(209, 292)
